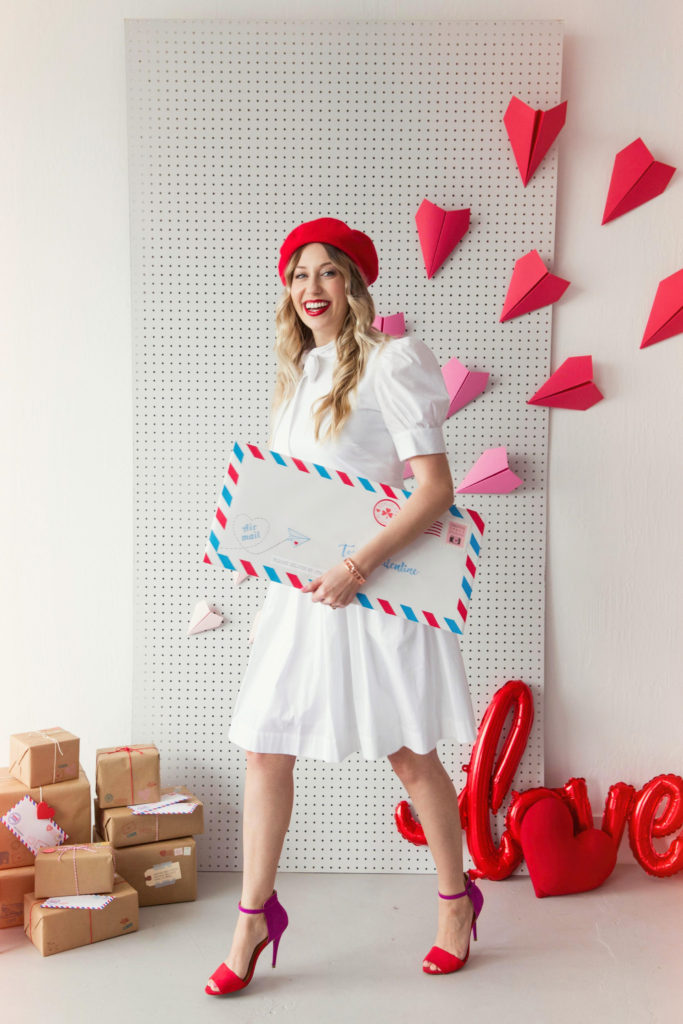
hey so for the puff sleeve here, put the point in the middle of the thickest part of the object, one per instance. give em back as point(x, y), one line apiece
point(412, 396)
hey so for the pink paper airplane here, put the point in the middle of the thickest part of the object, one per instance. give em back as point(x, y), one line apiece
point(490, 475)
point(636, 178)
point(393, 325)
point(204, 617)
point(439, 231)
point(531, 287)
point(532, 133)
point(570, 387)
point(239, 576)
point(666, 315)
point(463, 385)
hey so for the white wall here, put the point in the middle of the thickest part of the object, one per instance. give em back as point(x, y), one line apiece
point(614, 699)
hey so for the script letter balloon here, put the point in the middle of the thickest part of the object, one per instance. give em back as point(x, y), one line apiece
point(409, 828)
point(617, 809)
point(486, 777)
point(645, 824)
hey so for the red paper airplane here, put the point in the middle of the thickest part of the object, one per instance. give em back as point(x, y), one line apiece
point(531, 287)
point(532, 133)
point(393, 325)
point(636, 178)
point(570, 387)
point(439, 232)
point(666, 315)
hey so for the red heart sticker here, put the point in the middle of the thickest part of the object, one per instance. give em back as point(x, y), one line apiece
point(559, 861)
point(44, 811)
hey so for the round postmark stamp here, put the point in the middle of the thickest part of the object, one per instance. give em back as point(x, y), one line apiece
point(384, 510)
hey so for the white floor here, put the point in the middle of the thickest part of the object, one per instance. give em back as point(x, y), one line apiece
point(353, 952)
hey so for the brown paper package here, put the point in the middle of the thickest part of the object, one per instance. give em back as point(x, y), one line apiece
point(120, 827)
point(71, 803)
point(37, 760)
point(161, 872)
point(14, 884)
point(127, 775)
point(53, 931)
point(69, 871)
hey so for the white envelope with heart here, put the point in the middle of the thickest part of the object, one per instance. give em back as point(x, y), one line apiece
point(290, 520)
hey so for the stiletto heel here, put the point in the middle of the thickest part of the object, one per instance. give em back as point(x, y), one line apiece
point(445, 962)
point(276, 921)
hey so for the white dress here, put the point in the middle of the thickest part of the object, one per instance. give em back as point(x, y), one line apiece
point(323, 682)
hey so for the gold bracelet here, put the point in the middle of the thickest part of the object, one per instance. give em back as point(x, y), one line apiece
point(353, 570)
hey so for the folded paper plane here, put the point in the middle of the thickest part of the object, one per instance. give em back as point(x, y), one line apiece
point(531, 287)
point(490, 475)
point(463, 385)
point(239, 576)
point(394, 325)
point(204, 617)
point(636, 178)
point(439, 231)
point(532, 133)
point(570, 387)
point(666, 315)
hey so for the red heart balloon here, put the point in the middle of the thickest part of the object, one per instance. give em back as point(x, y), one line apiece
point(559, 861)
point(44, 810)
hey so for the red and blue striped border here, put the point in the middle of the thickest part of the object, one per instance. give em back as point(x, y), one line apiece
point(213, 556)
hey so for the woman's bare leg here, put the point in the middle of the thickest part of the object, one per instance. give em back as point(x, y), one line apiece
point(268, 801)
point(433, 796)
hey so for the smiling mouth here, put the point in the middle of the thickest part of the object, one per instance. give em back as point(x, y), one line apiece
point(316, 308)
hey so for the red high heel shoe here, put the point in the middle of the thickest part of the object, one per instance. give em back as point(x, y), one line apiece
point(276, 921)
point(444, 961)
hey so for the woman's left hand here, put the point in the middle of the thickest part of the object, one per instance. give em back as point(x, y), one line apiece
point(336, 587)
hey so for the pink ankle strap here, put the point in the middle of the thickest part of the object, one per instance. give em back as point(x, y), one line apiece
point(246, 911)
point(465, 892)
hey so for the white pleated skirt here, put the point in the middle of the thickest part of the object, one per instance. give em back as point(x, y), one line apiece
point(325, 683)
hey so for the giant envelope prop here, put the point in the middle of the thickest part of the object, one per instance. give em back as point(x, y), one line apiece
point(394, 325)
point(439, 231)
point(666, 315)
point(570, 387)
point(531, 287)
point(636, 178)
point(490, 475)
point(290, 520)
point(532, 133)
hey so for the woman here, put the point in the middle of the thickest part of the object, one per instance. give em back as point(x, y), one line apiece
point(326, 676)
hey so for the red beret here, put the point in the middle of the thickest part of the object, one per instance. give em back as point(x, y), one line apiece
point(355, 244)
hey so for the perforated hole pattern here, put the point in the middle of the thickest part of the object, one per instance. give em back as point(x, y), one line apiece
point(238, 131)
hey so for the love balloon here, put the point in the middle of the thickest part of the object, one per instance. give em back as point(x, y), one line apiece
point(654, 812)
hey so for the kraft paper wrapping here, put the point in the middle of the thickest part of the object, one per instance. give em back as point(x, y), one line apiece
point(74, 870)
point(127, 775)
point(161, 872)
point(44, 757)
point(14, 884)
point(120, 827)
point(70, 801)
point(53, 931)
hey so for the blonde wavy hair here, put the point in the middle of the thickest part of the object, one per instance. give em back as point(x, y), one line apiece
point(355, 342)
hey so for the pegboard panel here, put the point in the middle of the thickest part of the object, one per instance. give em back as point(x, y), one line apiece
point(238, 131)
